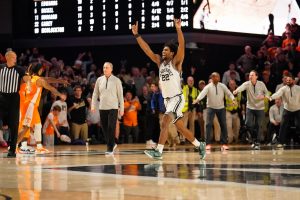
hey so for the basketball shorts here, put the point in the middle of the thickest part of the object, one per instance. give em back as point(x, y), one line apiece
point(174, 105)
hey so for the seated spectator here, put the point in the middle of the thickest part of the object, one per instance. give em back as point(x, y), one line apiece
point(275, 115)
point(50, 126)
point(63, 124)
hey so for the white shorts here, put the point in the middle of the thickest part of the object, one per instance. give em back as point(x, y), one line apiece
point(174, 105)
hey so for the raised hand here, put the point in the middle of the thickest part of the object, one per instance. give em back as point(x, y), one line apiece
point(135, 28)
point(177, 23)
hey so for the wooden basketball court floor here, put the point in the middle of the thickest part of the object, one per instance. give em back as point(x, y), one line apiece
point(81, 172)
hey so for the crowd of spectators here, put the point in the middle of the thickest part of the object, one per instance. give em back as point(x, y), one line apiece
point(275, 58)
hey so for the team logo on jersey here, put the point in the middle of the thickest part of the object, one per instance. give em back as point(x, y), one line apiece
point(165, 74)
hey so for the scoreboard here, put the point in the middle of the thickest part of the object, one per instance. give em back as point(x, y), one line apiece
point(67, 18)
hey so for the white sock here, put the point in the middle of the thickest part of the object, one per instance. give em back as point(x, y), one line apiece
point(24, 144)
point(39, 146)
point(196, 143)
point(160, 148)
point(38, 132)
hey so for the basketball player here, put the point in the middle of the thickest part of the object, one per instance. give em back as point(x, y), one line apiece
point(30, 93)
point(170, 69)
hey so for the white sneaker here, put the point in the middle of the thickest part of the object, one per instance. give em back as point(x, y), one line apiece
point(26, 150)
point(150, 142)
point(111, 152)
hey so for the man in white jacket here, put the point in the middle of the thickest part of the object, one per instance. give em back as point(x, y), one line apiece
point(290, 94)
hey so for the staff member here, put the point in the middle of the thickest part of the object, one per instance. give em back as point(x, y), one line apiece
point(290, 94)
point(109, 90)
point(10, 79)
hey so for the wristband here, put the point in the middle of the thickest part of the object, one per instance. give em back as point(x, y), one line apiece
point(137, 35)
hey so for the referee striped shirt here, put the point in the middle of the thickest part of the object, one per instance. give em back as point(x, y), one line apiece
point(10, 78)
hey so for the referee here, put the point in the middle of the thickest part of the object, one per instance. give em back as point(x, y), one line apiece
point(10, 79)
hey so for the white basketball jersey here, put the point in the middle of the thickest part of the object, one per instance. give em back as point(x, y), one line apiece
point(169, 80)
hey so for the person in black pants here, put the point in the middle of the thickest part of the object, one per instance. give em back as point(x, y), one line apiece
point(10, 79)
point(109, 90)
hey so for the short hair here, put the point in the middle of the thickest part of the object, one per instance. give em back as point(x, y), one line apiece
point(110, 64)
point(254, 71)
point(76, 87)
point(8, 53)
point(215, 74)
point(35, 68)
point(57, 108)
point(172, 45)
point(290, 76)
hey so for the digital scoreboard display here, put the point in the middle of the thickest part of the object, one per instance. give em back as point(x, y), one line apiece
point(107, 17)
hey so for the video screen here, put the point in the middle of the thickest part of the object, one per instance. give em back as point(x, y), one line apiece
point(245, 16)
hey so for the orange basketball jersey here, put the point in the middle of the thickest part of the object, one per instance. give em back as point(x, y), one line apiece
point(29, 103)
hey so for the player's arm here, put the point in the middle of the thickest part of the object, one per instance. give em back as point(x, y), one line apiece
point(178, 59)
point(43, 83)
point(55, 80)
point(144, 46)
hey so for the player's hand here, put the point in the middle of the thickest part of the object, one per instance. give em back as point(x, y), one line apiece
point(135, 28)
point(234, 92)
point(121, 113)
point(177, 23)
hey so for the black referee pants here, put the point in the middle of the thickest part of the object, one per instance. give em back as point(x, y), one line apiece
point(108, 123)
point(9, 114)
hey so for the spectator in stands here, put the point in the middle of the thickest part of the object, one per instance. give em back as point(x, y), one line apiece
point(247, 61)
point(92, 76)
point(275, 115)
point(143, 114)
point(284, 76)
point(93, 119)
point(289, 42)
point(269, 82)
point(271, 41)
point(232, 113)
point(63, 124)
point(200, 108)
point(291, 97)
point(77, 107)
point(190, 93)
point(280, 62)
point(130, 121)
point(229, 73)
point(155, 108)
point(49, 127)
point(138, 79)
point(295, 29)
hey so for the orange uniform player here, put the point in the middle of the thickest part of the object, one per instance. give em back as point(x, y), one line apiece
point(30, 99)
